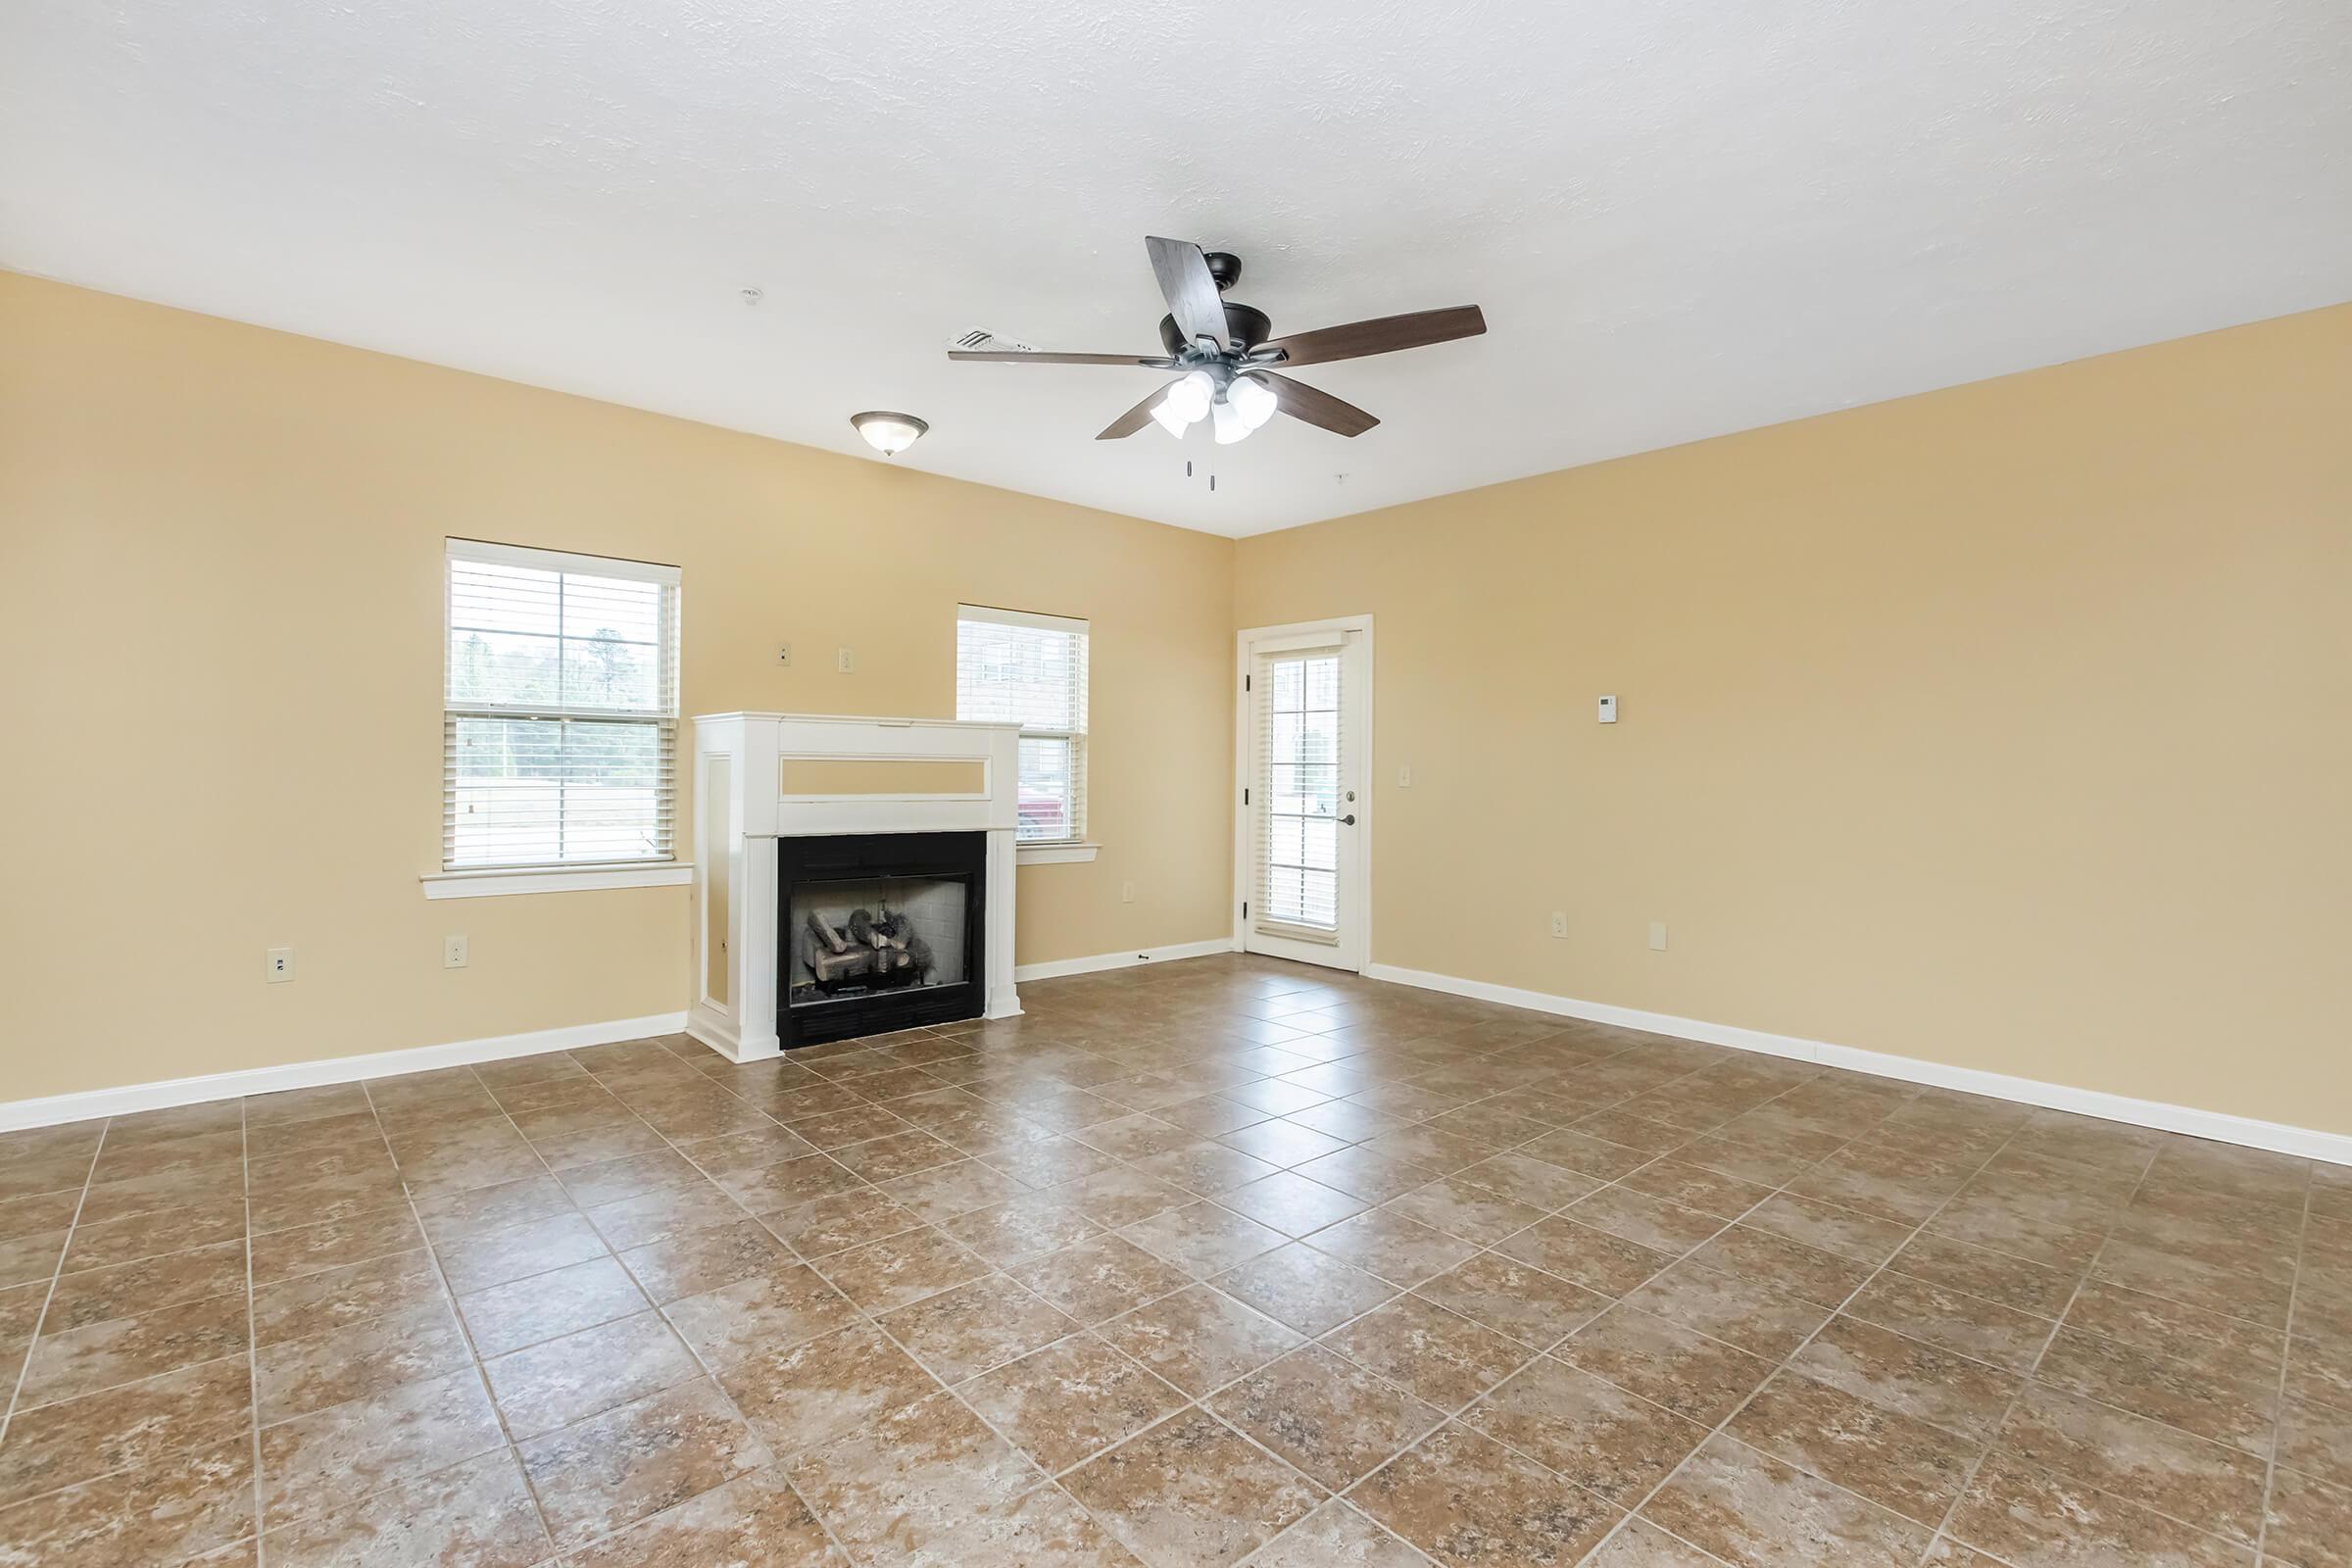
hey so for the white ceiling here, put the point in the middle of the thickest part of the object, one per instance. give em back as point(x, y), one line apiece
point(1680, 219)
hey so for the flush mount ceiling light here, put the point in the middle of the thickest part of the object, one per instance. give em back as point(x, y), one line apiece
point(888, 433)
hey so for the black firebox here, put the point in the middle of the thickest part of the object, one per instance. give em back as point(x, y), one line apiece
point(879, 931)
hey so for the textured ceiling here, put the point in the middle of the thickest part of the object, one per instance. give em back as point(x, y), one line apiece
point(1682, 219)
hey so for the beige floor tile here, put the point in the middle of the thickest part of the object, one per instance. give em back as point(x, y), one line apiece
point(1749, 1508)
point(625, 1464)
point(813, 1392)
point(1469, 1503)
point(1585, 1430)
point(558, 1381)
point(1191, 1494)
point(1326, 1416)
point(1358, 1209)
point(961, 1333)
point(1069, 1401)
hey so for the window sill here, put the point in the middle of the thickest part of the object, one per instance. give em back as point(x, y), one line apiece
point(1055, 853)
point(552, 879)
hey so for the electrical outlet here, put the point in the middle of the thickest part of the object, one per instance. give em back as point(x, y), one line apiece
point(845, 659)
point(277, 965)
point(1405, 778)
point(784, 655)
point(1657, 936)
point(453, 953)
point(1559, 922)
point(1126, 892)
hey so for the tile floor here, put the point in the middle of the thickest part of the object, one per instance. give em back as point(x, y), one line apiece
point(1206, 1263)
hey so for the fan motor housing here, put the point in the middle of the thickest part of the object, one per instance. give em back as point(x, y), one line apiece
point(1246, 324)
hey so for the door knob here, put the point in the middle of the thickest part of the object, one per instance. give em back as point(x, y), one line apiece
point(1348, 820)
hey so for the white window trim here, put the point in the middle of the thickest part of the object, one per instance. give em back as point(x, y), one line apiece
point(1055, 851)
point(1051, 851)
point(1076, 739)
point(498, 883)
point(478, 882)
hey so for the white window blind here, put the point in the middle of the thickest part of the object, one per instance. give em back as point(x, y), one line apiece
point(1294, 795)
point(561, 709)
point(1013, 668)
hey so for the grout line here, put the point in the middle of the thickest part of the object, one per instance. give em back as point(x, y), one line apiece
point(482, 1370)
point(2028, 1380)
point(57, 1272)
point(253, 1343)
point(2286, 1358)
point(783, 1462)
point(1864, 1138)
point(1090, 1331)
point(1134, 1066)
point(1448, 1417)
point(1787, 1361)
point(448, 1300)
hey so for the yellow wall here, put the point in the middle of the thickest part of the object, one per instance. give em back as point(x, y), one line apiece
point(220, 602)
point(2007, 726)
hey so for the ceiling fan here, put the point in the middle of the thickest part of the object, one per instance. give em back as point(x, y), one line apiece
point(1227, 352)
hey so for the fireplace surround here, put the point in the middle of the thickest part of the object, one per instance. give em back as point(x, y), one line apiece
point(807, 824)
point(879, 931)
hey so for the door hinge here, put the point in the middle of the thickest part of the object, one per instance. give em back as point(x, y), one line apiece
point(1244, 796)
point(1245, 909)
point(1245, 683)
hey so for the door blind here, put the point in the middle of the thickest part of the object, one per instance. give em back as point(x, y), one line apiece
point(1296, 794)
point(561, 709)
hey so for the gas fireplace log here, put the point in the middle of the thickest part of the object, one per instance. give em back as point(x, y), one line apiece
point(825, 935)
point(831, 968)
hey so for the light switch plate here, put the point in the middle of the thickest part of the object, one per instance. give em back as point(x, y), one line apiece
point(1657, 936)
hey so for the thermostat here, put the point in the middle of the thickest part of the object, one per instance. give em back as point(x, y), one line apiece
point(1608, 709)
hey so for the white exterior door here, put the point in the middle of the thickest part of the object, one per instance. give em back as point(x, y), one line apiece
point(1305, 811)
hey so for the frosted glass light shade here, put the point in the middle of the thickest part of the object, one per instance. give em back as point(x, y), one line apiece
point(1252, 400)
point(888, 433)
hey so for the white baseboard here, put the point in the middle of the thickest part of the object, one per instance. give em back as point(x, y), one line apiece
point(2334, 1148)
point(16, 1114)
point(1120, 960)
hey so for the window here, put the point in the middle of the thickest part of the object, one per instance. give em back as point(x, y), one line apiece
point(559, 717)
point(1012, 668)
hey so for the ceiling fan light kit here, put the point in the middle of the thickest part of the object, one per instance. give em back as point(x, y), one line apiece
point(886, 432)
point(1226, 353)
point(1252, 400)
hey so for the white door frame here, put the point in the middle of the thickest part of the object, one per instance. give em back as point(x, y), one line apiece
point(1356, 902)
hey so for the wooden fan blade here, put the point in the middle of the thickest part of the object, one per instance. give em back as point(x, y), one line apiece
point(1156, 362)
point(1382, 335)
point(1133, 419)
point(1303, 402)
point(1192, 294)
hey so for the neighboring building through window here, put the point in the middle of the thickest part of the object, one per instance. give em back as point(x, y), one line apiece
point(559, 719)
point(1013, 668)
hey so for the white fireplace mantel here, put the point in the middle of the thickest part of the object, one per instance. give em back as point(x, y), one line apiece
point(857, 775)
